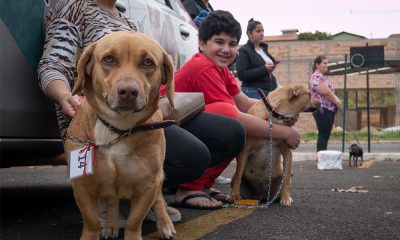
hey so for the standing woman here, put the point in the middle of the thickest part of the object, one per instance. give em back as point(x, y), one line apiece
point(254, 64)
point(322, 90)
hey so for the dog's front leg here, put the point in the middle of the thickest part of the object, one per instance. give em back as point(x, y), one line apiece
point(110, 207)
point(241, 162)
point(164, 224)
point(286, 199)
point(88, 205)
point(140, 206)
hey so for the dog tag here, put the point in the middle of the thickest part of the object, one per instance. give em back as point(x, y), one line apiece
point(81, 162)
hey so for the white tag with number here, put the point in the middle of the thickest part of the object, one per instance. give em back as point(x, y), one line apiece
point(81, 162)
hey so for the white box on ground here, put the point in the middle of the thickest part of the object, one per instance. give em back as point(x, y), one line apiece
point(329, 159)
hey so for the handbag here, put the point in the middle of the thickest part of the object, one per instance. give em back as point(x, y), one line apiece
point(187, 105)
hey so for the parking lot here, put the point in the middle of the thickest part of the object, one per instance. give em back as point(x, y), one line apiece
point(37, 203)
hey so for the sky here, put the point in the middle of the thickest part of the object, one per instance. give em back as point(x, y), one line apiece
point(371, 19)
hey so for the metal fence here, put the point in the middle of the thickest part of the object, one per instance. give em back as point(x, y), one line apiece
point(371, 113)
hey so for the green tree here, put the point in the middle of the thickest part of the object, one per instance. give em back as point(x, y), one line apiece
point(309, 36)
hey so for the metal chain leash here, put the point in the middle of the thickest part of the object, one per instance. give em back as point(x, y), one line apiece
point(269, 202)
point(265, 205)
point(270, 157)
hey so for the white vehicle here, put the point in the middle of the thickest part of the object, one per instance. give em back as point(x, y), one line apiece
point(29, 132)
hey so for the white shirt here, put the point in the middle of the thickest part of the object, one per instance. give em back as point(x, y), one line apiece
point(264, 56)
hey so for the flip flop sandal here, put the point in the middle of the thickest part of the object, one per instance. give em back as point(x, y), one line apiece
point(219, 196)
point(184, 204)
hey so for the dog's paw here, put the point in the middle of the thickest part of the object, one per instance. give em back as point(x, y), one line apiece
point(109, 232)
point(167, 230)
point(234, 197)
point(286, 202)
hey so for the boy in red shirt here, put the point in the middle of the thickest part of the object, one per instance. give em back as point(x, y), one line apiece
point(208, 72)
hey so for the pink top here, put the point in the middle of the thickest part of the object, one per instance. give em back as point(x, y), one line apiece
point(317, 78)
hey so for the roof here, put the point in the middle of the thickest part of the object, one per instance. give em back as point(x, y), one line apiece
point(348, 34)
point(279, 38)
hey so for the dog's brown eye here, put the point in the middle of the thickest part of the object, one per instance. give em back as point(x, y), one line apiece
point(109, 60)
point(148, 63)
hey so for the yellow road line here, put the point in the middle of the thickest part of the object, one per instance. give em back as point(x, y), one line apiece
point(200, 226)
point(366, 164)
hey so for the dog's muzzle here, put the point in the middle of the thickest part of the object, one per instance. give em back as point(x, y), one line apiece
point(127, 98)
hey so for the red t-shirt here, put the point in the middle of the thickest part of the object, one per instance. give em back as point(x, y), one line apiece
point(200, 74)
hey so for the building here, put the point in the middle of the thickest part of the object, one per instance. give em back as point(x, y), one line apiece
point(384, 83)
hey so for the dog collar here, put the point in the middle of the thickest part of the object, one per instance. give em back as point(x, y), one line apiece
point(271, 109)
point(140, 128)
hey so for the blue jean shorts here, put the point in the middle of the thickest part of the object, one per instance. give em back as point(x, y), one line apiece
point(252, 92)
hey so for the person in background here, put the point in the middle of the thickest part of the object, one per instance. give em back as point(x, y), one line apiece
point(70, 27)
point(322, 90)
point(254, 64)
point(198, 9)
point(207, 72)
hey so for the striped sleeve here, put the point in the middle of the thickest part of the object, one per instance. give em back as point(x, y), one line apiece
point(61, 46)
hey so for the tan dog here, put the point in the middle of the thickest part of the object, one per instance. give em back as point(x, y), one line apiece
point(120, 76)
point(251, 179)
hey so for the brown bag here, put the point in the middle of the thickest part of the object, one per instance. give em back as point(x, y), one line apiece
point(187, 105)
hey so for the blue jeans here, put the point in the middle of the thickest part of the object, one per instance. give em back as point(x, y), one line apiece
point(252, 92)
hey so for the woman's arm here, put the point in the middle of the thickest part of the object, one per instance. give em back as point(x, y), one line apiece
point(323, 89)
point(56, 69)
point(59, 91)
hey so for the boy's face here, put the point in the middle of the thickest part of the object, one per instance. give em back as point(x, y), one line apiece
point(221, 49)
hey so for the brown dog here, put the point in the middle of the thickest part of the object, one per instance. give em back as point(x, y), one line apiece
point(120, 76)
point(251, 179)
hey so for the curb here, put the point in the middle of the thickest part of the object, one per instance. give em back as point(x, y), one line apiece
point(297, 156)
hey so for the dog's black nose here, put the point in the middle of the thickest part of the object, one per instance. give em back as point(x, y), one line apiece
point(127, 92)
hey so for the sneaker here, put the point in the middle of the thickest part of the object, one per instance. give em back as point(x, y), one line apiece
point(121, 220)
point(222, 180)
point(173, 214)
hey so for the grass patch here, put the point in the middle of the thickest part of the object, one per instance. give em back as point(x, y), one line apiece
point(361, 135)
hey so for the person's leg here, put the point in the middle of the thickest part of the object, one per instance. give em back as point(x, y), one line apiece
point(224, 137)
point(266, 91)
point(251, 92)
point(324, 120)
point(186, 157)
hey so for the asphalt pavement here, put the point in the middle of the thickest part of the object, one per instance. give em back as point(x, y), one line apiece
point(37, 203)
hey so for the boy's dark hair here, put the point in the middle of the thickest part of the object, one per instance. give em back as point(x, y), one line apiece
point(318, 60)
point(251, 25)
point(218, 22)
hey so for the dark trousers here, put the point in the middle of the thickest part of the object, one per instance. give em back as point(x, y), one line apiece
point(324, 120)
point(205, 141)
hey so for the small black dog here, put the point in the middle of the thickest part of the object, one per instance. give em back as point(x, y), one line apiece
point(355, 152)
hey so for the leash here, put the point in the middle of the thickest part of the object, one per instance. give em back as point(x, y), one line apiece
point(271, 111)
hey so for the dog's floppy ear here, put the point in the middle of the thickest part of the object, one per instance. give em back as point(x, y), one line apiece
point(168, 78)
point(84, 69)
point(295, 91)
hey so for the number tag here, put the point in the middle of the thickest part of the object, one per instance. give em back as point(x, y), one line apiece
point(81, 162)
